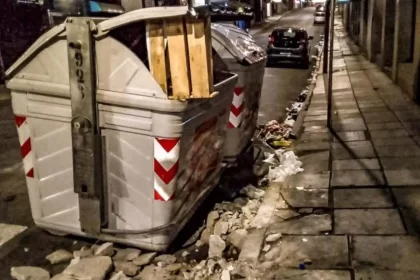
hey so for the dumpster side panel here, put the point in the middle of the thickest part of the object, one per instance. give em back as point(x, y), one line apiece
point(120, 70)
point(47, 156)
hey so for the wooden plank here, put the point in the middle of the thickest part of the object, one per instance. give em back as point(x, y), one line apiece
point(177, 52)
point(199, 50)
point(156, 47)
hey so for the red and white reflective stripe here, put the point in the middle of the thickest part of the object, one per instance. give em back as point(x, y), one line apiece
point(235, 116)
point(166, 164)
point(25, 145)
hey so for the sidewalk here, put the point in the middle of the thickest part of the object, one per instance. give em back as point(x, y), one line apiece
point(354, 212)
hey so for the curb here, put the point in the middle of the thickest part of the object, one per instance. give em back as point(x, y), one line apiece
point(301, 115)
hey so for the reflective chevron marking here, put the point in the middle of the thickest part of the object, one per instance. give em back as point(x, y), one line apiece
point(166, 164)
point(25, 145)
point(235, 116)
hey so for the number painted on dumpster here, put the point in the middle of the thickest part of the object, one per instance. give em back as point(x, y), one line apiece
point(79, 72)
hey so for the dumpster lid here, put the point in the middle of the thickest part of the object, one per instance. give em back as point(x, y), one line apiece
point(238, 42)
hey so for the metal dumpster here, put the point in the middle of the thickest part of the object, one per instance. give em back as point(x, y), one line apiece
point(159, 157)
point(244, 57)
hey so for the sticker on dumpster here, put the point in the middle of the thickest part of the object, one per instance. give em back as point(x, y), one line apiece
point(236, 108)
point(166, 164)
point(25, 145)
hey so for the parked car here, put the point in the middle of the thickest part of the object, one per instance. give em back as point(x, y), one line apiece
point(319, 17)
point(289, 44)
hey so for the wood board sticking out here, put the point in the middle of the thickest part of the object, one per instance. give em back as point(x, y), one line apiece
point(156, 47)
point(199, 51)
point(180, 56)
point(177, 50)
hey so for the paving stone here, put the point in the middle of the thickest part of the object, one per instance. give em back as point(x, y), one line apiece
point(309, 224)
point(315, 128)
point(399, 141)
point(379, 117)
point(374, 109)
point(408, 115)
point(315, 157)
point(322, 251)
point(316, 167)
point(401, 163)
point(387, 252)
point(348, 125)
point(351, 136)
point(403, 177)
point(388, 133)
point(412, 127)
point(408, 199)
point(315, 118)
point(417, 139)
point(298, 198)
point(90, 268)
point(349, 178)
point(371, 105)
point(308, 181)
point(355, 164)
point(316, 112)
point(374, 274)
point(312, 136)
point(252, 246)
point(398, 151)
point(315, 123)
point(362, 198)
point(293, 274)
point(29, 273)
point(356, 149)
point(368, 221)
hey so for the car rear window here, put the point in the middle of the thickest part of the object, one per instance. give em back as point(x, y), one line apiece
point(289, 34)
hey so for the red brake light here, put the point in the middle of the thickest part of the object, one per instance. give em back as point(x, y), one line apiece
point(271, 39)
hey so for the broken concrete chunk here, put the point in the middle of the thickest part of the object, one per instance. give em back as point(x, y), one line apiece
point(266, 248)
point(128, 254)
point(127, 267)
point(167, 259)
point(211, 219)
point(59, 256)
point(216, 246)
point(205, 235)
point(153, 272)
point(225, 275)
point(240, 201)
point(144, 259)
point(106, 249)
point(119, 276)
point(29, 273)
point(175, 267)
point(84, 252)
point(273, 237)
point(252, 192)
point(95, 268)
point(237, 238)
point(221, 228)
point(63, 277)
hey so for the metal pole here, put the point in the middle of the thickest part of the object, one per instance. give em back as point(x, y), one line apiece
point(326, 36)
point(330, 62)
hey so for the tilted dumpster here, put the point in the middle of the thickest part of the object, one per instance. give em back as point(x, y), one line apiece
point(244, 57)
point(120, 141)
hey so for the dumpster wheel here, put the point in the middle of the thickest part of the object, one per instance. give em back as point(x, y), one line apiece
point(56, 233)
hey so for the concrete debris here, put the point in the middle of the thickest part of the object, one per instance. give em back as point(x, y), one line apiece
point(167, 259)
point(273, 237)
point(127, 267)
point(154, 272)
point(237, 238)
point(84, 252)
point(94, 268)
point(119, 276)
point(128, 254)
point(106, 249)
point(205, 235)
point(266, 248)
point(144, 259)
point(175, 267)
point(63, 277)
point(59, 256)
point(29, 273)
point(211, 219)
point(221, 228)
point(289, 165)
point(225, 275)
point(216, 246)
point(252, 192)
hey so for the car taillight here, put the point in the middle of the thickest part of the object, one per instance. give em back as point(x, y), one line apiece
point(270, 39)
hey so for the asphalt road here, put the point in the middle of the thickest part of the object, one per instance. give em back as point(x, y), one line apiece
point(281, 86)
point(283, 83)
